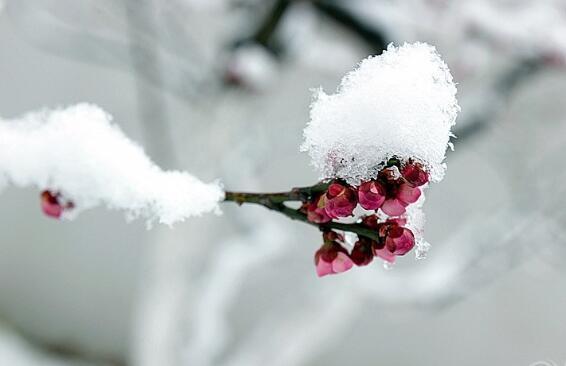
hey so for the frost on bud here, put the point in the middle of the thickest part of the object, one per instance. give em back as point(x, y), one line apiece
point(371, 195)
point(53, 204)
point(331, 258)
point(341, 200)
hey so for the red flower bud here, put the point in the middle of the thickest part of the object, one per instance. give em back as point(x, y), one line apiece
point(340, 200)
point(399, 240)
point(414, 174)
point(362, 253)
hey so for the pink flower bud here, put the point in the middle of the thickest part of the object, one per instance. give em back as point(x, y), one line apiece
point(316, 211)
point(395, 240)
point(52, 204)
point(399, 240)
point(331, 258)
point(371, 195)
point(399, 197)
point(326, 265)
point(362, 253)
point(414, 174)
point(340, 200)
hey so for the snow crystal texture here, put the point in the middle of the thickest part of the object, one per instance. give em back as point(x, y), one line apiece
point(401, 103)
point(80, 153)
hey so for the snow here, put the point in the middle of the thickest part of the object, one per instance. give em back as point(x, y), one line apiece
point(79, 152)
point(401, 103)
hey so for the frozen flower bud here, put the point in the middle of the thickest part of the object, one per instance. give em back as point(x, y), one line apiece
point(331, 258)
point(52, 204)
point(414, 174)
point(362, 253)
point(399, 240)
point(340, 200)
point(371, 195)
point(316, 211)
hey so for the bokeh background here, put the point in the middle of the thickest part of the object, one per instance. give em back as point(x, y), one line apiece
point(221, 88)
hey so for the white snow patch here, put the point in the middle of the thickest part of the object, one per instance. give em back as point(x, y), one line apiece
point(401, 103)
point(80, 153)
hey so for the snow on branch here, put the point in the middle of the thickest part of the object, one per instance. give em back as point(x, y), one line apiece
point(79, 154)
point(377, 143)
point(401, 103)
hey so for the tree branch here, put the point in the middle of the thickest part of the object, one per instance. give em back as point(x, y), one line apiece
point(276, 202)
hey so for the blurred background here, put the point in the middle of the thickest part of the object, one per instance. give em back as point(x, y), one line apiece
point(221, 88)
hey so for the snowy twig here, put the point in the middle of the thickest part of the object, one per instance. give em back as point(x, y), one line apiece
point(276, 202)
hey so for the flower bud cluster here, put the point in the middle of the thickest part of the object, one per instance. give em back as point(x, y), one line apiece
point(391, 192)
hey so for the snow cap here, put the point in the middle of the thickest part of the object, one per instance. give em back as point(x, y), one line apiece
point(401, 103)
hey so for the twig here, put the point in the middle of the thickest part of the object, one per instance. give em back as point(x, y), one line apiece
point(373, 36)
point(276, 202)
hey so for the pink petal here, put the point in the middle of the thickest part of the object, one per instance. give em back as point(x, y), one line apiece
point(50, 205)
point(385, 254)
point(408, 194)
point(393, 207)
point(342, 263)
point(323, 268)
point(52, 210)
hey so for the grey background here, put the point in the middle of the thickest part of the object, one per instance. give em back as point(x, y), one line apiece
point(240, 289)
